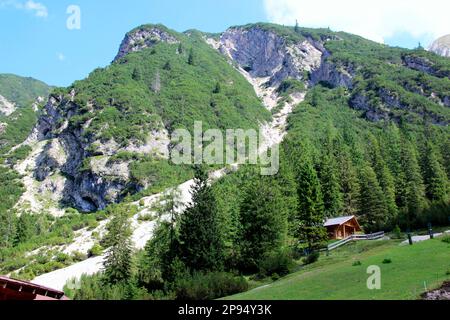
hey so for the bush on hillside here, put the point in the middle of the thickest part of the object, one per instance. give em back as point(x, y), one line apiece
point(311, 258)
point(278, 262)
point(209, 286)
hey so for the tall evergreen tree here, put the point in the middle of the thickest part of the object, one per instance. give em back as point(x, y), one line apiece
point(201, 243)
point(7, 228)
point(310, 214)
point(372, 210)
point(385, 178)
point(329, 177)
point(118, 261)
point(434, 175)
point(263, 220)
point(349, 183)
point(26, 228)
point(413, 189)
point(191, 57)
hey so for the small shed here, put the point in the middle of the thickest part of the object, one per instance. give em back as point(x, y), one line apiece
point(342, 227)
point(11, 289)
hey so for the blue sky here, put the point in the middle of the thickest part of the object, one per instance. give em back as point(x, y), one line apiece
point(36, 42)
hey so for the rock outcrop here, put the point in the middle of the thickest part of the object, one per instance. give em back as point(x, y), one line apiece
point(265, 54)
point(92, 181)
point(6, 107)
point(441, 46)
point(142, 38)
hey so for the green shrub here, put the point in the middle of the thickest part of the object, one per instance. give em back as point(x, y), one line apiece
point(311, 258)
point(63, 258)
point(387, 261)
point(446, 239)
point(95, 251)
point(209, 286)
point(278, 262)
point(146, 217)
point(357, 263)
point(78, 256)
point(397, 233)
point(92, 224)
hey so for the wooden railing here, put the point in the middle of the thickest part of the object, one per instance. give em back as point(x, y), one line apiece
point(356, 237)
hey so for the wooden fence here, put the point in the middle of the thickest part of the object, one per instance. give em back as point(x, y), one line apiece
point(355, 237)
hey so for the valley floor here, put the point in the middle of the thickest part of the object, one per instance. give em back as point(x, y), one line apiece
point(413, 271)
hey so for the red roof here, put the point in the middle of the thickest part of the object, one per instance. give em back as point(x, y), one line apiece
point(21, 290)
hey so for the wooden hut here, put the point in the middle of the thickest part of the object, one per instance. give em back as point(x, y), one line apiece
point(342, 227)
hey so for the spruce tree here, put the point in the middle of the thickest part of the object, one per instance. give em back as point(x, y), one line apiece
point(385, 178)
point(412, 186)
point(310, 214)
point(191, 58)
point(435, 177)
point(7, 228)
point(349, 183)
point(26, 228)
point(118, 260)
point(263, 221)
point(137, 74)
point(332, 196)
point(372, 211)
point(201, 245)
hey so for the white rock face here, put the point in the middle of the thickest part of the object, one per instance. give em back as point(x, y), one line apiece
point(6, 107)
point(441, 46)
point(142, 38)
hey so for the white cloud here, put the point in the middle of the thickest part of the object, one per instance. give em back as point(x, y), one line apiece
point(36, 8)
point(375, 20)
point(61, 56)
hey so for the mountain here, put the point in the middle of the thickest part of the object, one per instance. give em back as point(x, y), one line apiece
point(17, 92)
point(19, 98)
point(107, 136)
point(441, 46)
point(363, 128)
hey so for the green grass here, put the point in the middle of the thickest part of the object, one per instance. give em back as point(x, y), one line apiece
point(335, 278)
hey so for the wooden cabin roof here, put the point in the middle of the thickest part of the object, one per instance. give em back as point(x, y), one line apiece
point(339, 221)
point(30, 288)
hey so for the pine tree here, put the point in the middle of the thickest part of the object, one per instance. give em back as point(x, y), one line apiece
point(191, 58)
point(332, 196)
point(7, 228)
point(26, 228)
point(385, 178)
point(167, 66)
point(137, 74)
point(435, 177)
point(329, 177)
point(263, 220)
point(201, 245)
point(180, 49)
point(296, 28)
point(310, 215)
point(412, 186)
point(118, 262)
point(217, 88)
point(372, 211)
point(349, 184)
point(286, 179)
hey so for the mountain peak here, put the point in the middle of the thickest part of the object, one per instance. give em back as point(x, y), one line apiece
point(144, 37)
